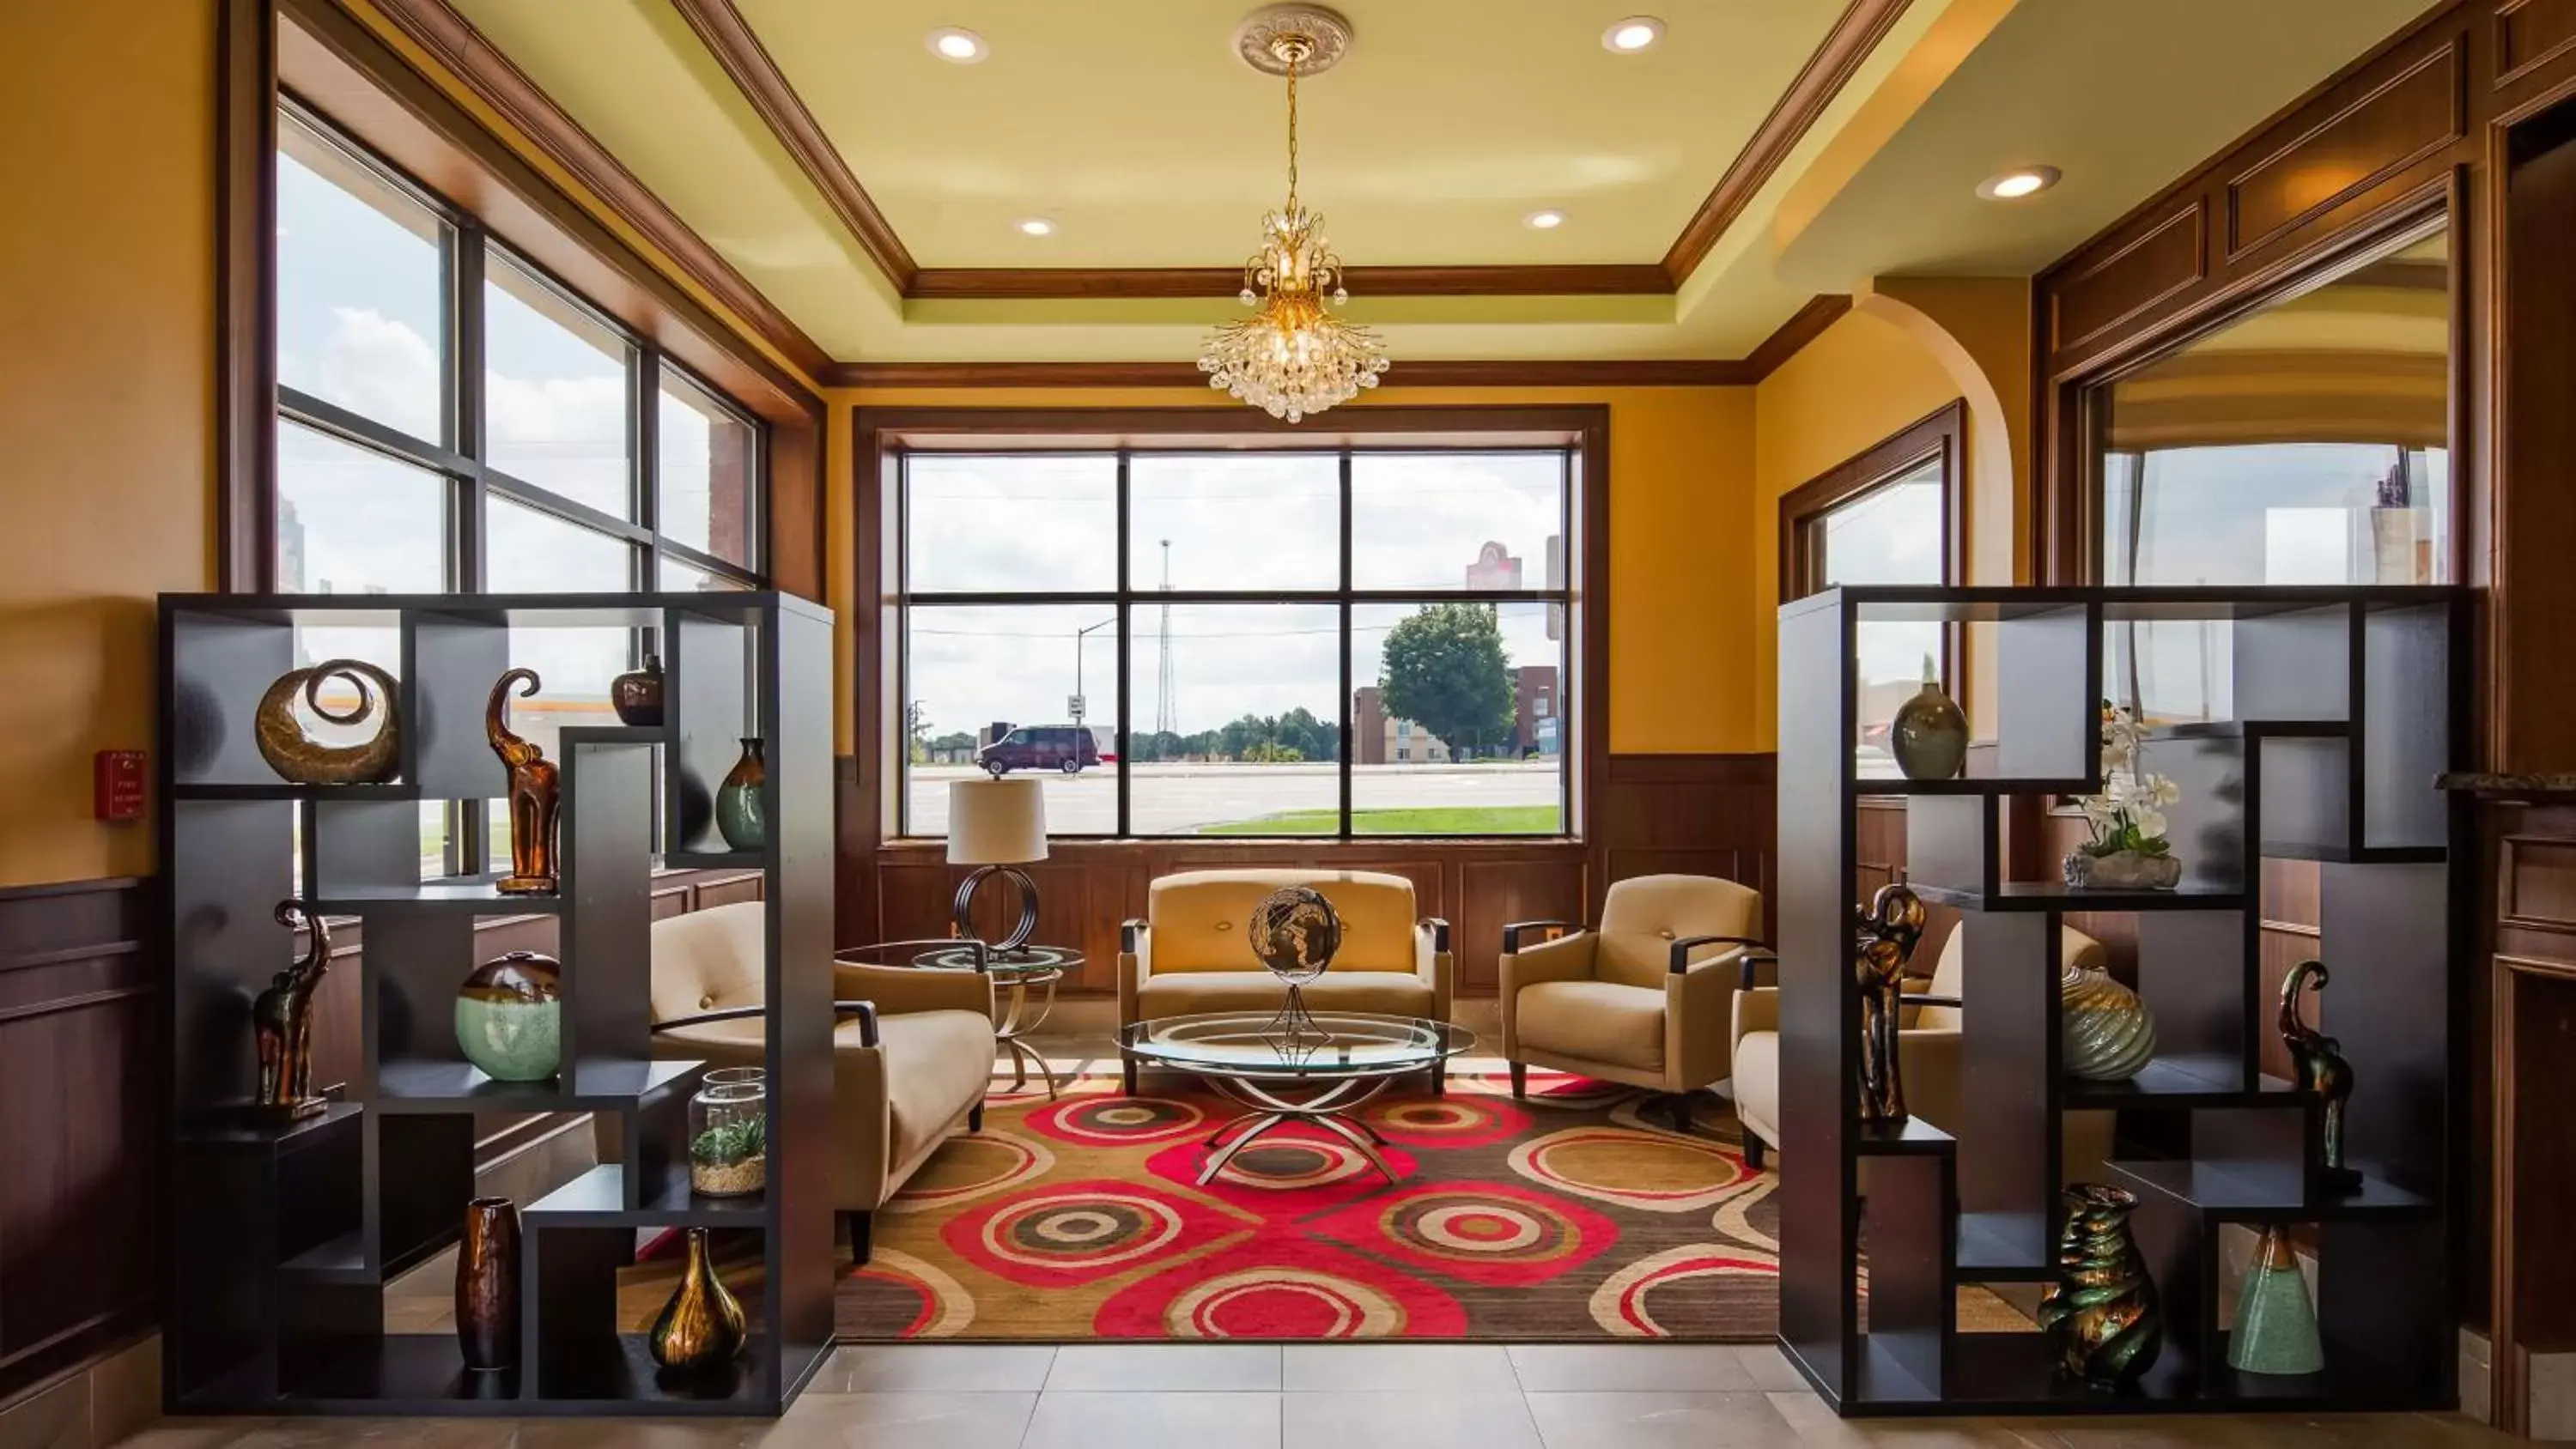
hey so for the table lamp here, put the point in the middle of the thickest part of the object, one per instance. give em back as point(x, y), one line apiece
point(997, 825)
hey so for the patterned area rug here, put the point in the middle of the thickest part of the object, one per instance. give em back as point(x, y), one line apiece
point(1568, 1217)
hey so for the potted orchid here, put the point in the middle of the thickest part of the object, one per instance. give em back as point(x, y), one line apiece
point(2128, 850)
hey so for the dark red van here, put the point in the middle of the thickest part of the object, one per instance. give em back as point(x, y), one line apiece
point(1069, 748)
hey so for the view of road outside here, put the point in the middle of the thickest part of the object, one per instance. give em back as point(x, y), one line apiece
point(1235, 709)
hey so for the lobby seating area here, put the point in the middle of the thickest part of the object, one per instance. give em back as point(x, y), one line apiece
point(765, 723)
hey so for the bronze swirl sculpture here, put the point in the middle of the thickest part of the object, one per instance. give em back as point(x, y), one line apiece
point(533, 800)
point(2322, 1070)
point(303, 760)
point(282, 1019)
point(1890, 928)
point(2102, 1314)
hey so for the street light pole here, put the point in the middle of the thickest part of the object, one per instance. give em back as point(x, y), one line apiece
point(1077, 659)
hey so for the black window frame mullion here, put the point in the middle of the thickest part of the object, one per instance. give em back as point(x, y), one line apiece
point(643, 446)
point(469, 822)
point(1568, 510)
point(1126, 687)
point(1349, 733)
point(903, 640)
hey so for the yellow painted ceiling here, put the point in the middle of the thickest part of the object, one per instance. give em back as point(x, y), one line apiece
point(1130, 124)
point(1135, 127)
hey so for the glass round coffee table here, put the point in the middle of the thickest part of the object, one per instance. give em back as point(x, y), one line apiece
point(1316, 1071)
point(1014, 974)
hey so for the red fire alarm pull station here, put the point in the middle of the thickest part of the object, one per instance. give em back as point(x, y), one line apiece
point(118, 785)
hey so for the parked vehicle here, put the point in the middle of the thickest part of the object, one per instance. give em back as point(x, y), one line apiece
point(1068, 748)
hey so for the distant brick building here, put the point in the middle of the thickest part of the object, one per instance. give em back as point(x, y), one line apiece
point(1379, 740)
point(1536, 721)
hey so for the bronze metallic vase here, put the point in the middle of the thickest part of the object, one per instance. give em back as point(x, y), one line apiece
point(487, 1285)
point(702, 1327)
point(2101, 1315)
point(637, 694)
point(534, 800)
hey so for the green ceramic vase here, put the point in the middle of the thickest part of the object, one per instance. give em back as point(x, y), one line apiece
point(509, 1017)
point(2276, 1326)
point(740, 817)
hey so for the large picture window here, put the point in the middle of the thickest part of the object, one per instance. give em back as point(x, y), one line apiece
point(451, 419)
point(1887, 516)
point(1342, 642)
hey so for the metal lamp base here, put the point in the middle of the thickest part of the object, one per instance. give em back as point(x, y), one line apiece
point(963, 914)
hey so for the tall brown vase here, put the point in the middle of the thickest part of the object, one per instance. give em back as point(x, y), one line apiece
point(487, 1285)
point(702, 1327)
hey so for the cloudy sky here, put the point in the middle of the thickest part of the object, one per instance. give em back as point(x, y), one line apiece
point(1024, 524)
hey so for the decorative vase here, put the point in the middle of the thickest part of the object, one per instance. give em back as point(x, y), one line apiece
point(487, 1285)
point(702, 1327)
point(2276, 1325)
point(2122, 870)
point(1929, 735)
point(2105, 1032)
point(729, 1133)
point(740, 817)
point(637, 695)
point(2102, 1315)
point(299, 758)
point(535, 803)
point(509, 1017)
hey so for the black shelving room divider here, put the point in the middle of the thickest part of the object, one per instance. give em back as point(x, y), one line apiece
point(2346, 705)
point(281, 1239)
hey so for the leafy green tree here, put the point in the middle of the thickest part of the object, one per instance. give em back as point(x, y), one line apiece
point(1267, 752)
point(1445, 670)
point(916, 731)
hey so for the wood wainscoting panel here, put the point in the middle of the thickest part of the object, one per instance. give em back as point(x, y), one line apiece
point(1706, 814)
point(2397, 122)
point(2166, 254)
point(82, 995)
point(2530, 34)
point(2536, 884)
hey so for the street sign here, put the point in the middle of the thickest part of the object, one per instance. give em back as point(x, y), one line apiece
point(1073, 706)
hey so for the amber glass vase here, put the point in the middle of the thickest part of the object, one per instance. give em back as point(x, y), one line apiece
point(487, 1285)
point(702, 1328)
point(741, 818)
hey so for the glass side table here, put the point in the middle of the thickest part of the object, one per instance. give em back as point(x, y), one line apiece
point(1015, 974)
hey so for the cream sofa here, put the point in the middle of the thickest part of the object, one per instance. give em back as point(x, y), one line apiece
point(1641, 1000)
point(911, 1061)
point(1928, 1047)
point(1189, 953)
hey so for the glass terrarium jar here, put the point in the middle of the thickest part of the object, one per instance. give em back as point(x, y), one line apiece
point(729, 1133)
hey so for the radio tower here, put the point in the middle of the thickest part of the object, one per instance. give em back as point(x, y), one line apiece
point(1165, 707)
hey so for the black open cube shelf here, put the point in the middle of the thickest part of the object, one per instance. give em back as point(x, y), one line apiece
point(282, 1238)
point(2347, 704)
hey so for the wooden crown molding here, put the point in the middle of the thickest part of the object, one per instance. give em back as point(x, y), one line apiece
point(737, 48)
point(1801, 328)
point(1862, 26)
point(437, 27)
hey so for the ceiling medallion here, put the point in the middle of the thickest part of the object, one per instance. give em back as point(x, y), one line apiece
point(1292, 357)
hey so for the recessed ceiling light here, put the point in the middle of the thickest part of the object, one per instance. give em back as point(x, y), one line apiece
point(1037, 226)
point(2018, 183)
point(962, 46)
point(1544, 220)
point(1636, 33)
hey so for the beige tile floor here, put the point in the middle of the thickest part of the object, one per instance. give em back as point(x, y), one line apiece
point(1265, 1396)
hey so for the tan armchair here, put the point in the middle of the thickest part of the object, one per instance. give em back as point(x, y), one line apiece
point(1642, 1000)
point(1189, 954)
point(912, 1054)
point(1928, 1047)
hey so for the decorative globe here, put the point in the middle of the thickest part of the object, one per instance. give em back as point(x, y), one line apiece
point(1295, 932)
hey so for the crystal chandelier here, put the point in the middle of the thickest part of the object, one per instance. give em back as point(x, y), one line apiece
point(1292, 357)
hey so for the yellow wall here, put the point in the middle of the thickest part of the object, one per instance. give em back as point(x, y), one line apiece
point(107, 305)
point(1861, 381)
point(1681, 635)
